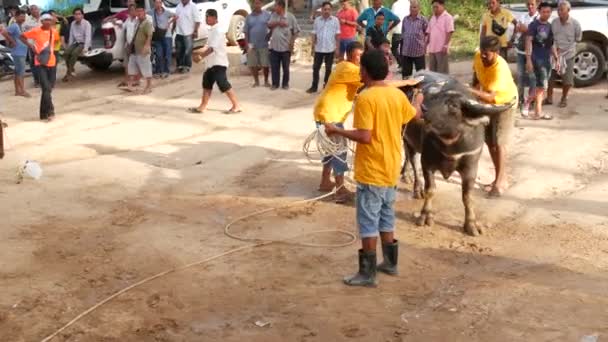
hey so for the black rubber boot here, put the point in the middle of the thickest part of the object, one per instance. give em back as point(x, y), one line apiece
point(367, 271)
point(390, 253)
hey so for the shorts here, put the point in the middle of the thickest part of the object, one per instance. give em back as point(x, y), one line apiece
point(344, 43)
point(339, 166)
point(258, 57)
point(216, 74)
point(542, 71)
point(375, 211)
point(19, 66)
point(498, 132)
point(567, 77)
point(140, 64)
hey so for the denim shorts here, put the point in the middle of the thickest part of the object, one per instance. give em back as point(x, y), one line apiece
point(344, 45)
point(19, 66)
point(339, 166)
point(542, 71)
point(375, 212)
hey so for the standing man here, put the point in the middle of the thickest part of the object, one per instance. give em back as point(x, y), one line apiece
point(256, 34)
point(566, 32)
point(525, 79)
point(401, 8)
point(186, 29)
point(367, 19)
point(375, 35)
point(441, 27)
point(539, 48)
point(80, 42)
point(41, 41)
point(325, 42)
point(162, 39)
point(129, 26)
point(140, 62)
point(495, 22)
point(19, 51)
point(348, 25)
point(333, 106)
point(217, 67)
point(32, 21)
point(283, 32)
point(413, 44)
point(380, 112)
point(493, 84)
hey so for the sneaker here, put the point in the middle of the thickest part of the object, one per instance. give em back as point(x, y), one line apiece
point(274, 88)
point(285, 87)
point(165, 75)
point(310, 90)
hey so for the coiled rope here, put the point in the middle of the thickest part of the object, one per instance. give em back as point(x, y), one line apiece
point(325, 146)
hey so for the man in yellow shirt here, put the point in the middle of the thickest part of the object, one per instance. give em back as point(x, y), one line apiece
point(495, 22)
point(380, 112)
point(493, 84)
point(333, 106)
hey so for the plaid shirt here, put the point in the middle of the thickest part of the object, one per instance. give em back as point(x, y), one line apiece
point(413, 35)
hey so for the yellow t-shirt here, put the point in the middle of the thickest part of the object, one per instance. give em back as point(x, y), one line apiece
point(504, 18)
point(336, 100)
point(496, 78)
point(382, 110)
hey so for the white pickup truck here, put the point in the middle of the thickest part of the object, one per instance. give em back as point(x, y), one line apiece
point(591, 60)
point(231, 19)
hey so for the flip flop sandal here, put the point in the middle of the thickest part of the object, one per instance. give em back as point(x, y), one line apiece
point(194, 110)
point(563, 104)
point(232, 111)
point(495, 193)
point(546, 117)
point(122, 84)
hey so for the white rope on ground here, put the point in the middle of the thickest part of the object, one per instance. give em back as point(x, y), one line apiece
point(257, 243)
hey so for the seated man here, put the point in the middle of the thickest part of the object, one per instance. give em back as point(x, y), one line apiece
point(79, 42)
point(333, 106)
point(493, 84)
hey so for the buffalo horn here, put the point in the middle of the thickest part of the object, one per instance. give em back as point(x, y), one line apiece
point(474, 108)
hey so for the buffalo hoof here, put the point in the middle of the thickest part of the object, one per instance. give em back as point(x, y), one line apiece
point(425, 219)
point(472, 228)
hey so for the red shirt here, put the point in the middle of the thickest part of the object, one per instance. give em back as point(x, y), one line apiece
point(348, 31)
point(122, 15)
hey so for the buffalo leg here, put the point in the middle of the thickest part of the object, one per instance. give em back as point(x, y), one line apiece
point(426, 214)
point(470, 220)
point(417, 189)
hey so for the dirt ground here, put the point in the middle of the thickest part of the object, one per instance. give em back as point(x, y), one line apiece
point(134, 185)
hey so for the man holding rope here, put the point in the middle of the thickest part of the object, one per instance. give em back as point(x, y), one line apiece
point(380, 111)
point(333, 106)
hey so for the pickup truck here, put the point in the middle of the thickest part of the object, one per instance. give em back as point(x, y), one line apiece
point(231, 19)
point(591, 59)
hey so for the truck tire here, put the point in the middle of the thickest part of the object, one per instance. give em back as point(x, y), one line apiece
point(589, 64)
point(235, 30)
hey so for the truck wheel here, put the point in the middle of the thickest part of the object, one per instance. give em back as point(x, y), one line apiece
point(588, 64)
point(235, 30)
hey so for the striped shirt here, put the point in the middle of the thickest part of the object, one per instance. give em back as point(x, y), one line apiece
point(413, 34)
point(325, 31)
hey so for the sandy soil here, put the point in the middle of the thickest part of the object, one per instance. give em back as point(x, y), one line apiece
point(133, 186)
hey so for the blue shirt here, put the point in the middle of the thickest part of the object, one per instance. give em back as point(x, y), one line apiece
point(542, 41)
point(20, 49)
point(256, 29)
point(369, 16)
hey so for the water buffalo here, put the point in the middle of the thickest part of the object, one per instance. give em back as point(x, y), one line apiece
point(449, 137)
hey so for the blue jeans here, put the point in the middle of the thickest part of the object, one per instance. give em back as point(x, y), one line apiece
point(163, 55)
point(280, 59)
point(542, 71)
point(344, 45)
point(183, 51)
point(19, 65)
point(375, 211)
point(524, 78)
point(339, 166)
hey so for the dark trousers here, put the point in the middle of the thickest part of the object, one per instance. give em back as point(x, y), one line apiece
point(47, 78)
point(183, 51)
point(33, 68)
point(319, 59)
point(162, 49)
point(280, 59)
point(396, 48)
point(408, 64)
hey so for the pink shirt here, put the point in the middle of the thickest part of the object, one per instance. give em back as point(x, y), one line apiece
point(438, 30)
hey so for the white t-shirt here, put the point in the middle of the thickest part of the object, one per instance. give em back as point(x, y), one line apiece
point(217, 41)
point(130, 25)
point(187, 17)
point(401, 8)
point(525, 19)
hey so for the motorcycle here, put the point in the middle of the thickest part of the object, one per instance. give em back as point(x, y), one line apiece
point(7, 64)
